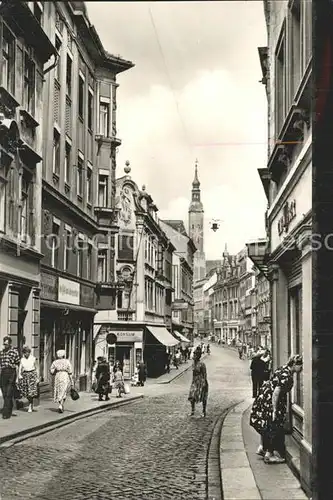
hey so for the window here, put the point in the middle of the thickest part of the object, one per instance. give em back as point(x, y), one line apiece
point(89, 183)
point(81, 97)
point(29, 85)
point(296, 341)
point(90, 109)
point(56, 152)
point(68, 159)
point(104, 118)
point(280, 86)
point(79, 252)
point(38, 11)
point(8, 60)
point(24, 207)
point(79, 180)
point(102, 265)
point(55, 244)
point(69, 72)
point(296, 48)
point(125, 247)
point(57, 69)
point(59, 23)
point(103, 181)
point(3, 187)
point(67, 247)
point(89, 257)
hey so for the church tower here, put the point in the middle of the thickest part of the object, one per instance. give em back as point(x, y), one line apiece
point(196, 227)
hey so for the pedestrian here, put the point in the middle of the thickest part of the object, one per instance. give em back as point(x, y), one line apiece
point(269, 411)
point(62, 371)
point(119, 382)
point(177, 359)
point(117, 366)
point(103, 379)
point(199, 386)
point(240, 351)
point(28, 377)
point(168, 359)
point(258, 368)
point(9, 362)
point(142, 372)
point(266, 358)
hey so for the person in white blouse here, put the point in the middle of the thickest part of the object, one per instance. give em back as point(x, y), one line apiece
point(28, 377)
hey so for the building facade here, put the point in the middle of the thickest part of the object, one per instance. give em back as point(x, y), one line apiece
point(247, 325)
point(287, 181)
point(27, 53)
point(139, 315)
point(196, 228)
point(78, 191)
point(182, 277)
point(199, 308)
point(263, 310)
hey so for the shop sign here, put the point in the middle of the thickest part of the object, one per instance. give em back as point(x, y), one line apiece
point(288, 214)
point(123, 336)
point(87, 296)
point(49, 287)
point(69, 291)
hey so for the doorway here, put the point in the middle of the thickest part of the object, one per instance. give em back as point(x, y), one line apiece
point(124, 354)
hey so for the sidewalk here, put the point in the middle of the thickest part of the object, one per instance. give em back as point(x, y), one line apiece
point(244, 475)
point(46, 414)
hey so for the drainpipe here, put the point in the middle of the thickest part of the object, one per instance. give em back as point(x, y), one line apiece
point(53, 65)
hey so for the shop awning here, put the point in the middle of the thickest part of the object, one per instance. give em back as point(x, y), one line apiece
point(181, 337)
point(163, 336)
point(258, 253)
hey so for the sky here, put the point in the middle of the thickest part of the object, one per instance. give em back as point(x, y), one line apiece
point(194, 93)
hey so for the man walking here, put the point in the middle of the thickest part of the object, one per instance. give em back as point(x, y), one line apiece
point(9, 362)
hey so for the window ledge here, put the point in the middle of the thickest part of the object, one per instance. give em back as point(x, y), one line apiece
point(89, 205)
point(67, 188)
point(29, 119)
point(79, 197)
point(8, 99)
point(55, 178)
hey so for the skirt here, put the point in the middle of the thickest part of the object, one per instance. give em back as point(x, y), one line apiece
point(28, 384)
point(119, 386)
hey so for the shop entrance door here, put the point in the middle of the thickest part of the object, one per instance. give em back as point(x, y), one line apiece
point(124, 354)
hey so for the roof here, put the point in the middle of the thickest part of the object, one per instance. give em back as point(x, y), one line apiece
point(177, 225)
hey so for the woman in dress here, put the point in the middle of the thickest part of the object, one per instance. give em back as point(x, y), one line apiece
point(199, 386)
point(269, 411)
point(62, 371)
point(119, 382)
point(103, 378)
point(28, 377)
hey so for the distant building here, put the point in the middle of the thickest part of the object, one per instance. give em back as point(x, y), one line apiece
point(196, 228)
point(139, 315)
point(182, 277)
point(246, 276)
point(199, 307)
point(263, 310)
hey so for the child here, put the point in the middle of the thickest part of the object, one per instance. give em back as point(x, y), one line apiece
point(135, 378)
point(119, 382)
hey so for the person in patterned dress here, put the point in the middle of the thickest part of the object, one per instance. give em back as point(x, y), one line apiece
point(28, 377)
point(269, 410)
point(62, 371)
point(199, 386)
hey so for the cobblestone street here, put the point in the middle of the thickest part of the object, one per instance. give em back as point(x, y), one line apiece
point(147, 450)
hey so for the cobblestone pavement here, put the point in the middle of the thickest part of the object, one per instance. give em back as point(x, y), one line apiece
point(150, 450)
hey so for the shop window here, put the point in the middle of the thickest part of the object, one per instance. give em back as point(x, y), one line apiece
point(56, 152)
point(125, 247)
point(296, 339)
point(69, 73)
point(68, 160)
point(104, 118)
point(29, 84)
point(79, 176)
point(102, 265)
point(8, 60)
point(89, 180)
point(55, 241)
point(103, 182)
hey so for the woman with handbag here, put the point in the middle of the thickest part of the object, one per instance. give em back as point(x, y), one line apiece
point(28, 378)
point(119, 383)
point(62, 371)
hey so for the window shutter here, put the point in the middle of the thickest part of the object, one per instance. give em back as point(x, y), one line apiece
point(56, 103)
point(47, 229)
point(68, 117)
point(32, 226)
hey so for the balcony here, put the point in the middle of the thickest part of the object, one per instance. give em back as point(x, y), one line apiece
point(106, 216)
point(126, 314)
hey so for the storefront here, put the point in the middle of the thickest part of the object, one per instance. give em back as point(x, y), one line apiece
point(127, 349)
point(67, 315)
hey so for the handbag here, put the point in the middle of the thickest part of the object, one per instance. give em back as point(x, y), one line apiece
point(74, 394)
point(126, 389)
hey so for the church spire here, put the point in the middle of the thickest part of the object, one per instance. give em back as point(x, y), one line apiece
point(196, 183)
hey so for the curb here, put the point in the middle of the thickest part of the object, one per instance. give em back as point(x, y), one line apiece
point(17, 437)
point(238, 481)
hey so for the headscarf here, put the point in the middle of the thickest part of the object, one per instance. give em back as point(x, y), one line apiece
point(296, 359)
point(61, 353)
